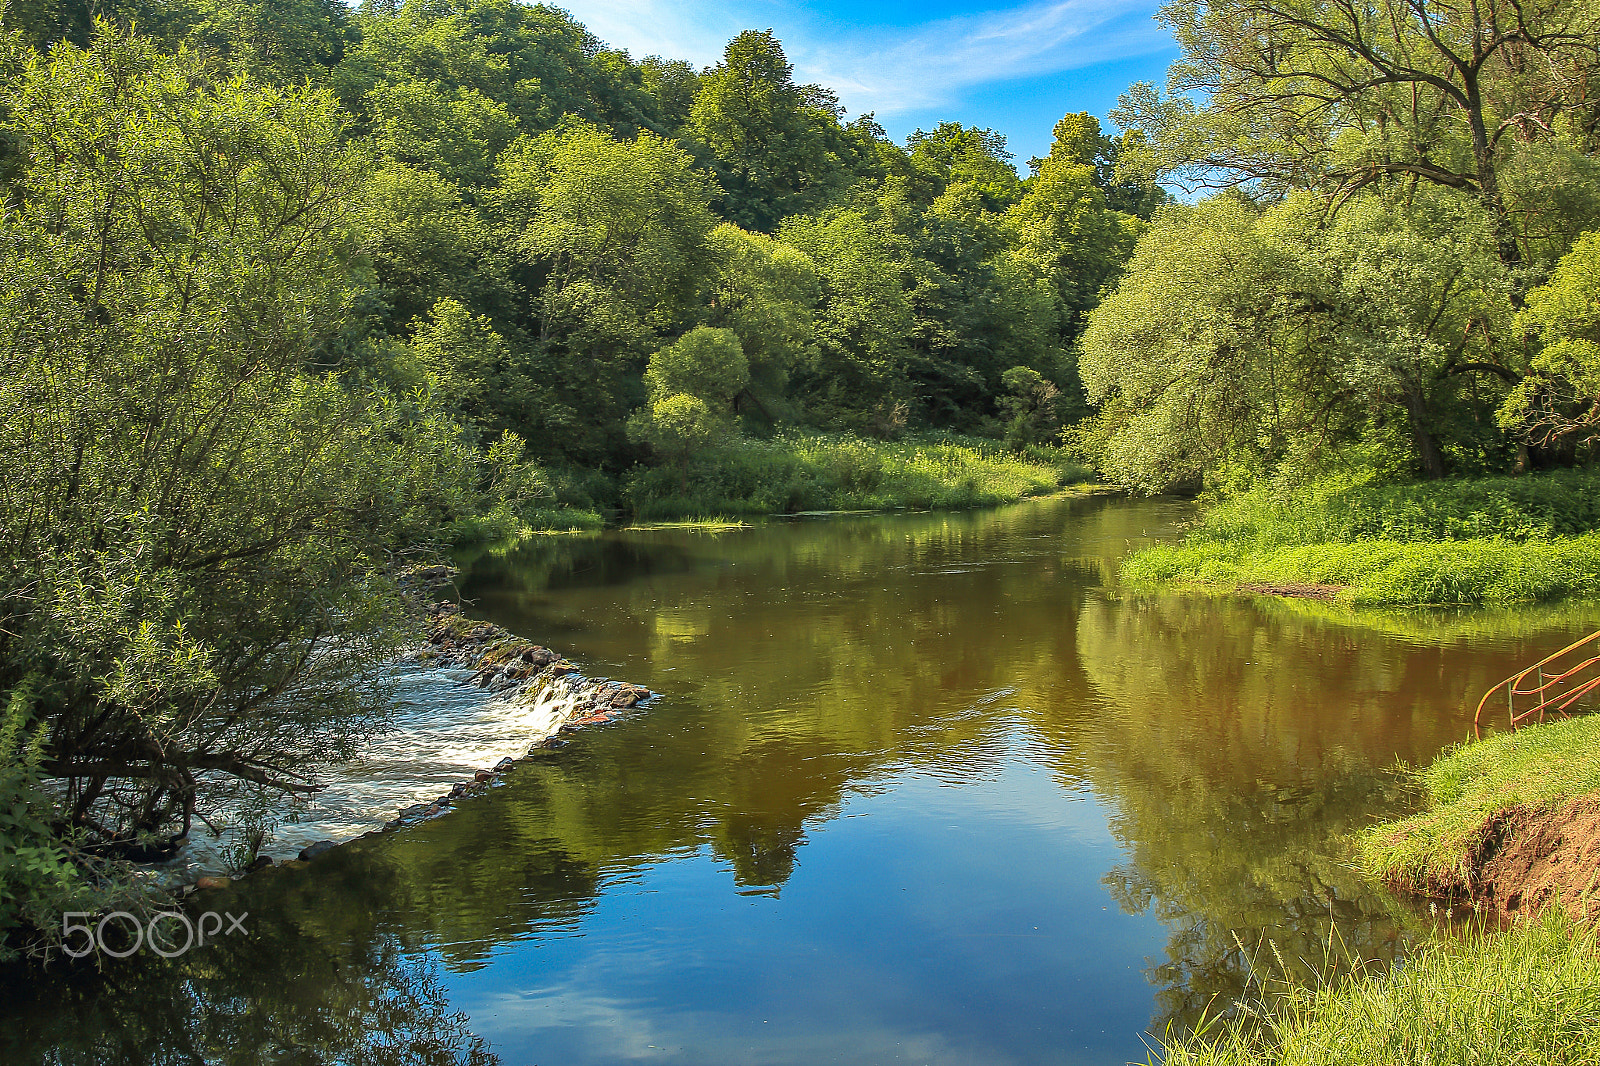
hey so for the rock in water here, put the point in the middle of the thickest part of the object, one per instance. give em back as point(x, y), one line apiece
point(311, 851)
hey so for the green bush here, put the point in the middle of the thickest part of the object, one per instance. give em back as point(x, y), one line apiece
point(37, 880)
point(1497, 540)
point(1389, 573)
point(1536, 507)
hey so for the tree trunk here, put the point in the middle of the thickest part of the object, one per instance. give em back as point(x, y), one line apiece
point(1428, 455)
point(1505, 237)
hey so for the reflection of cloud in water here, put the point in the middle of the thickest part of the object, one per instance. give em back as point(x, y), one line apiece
point(545, 1024)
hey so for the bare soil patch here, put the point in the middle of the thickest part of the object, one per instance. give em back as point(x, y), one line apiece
point(1294, 591)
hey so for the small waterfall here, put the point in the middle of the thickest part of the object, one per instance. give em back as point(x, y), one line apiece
point(462, 710)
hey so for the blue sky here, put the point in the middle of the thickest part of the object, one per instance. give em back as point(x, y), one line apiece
point(1014, 67)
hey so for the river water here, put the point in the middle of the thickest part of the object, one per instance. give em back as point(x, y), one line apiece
point(926, 788)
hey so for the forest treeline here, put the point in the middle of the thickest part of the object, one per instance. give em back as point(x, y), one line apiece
point(527, 217)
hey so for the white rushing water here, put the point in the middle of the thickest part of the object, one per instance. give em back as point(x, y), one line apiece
point(445, 730)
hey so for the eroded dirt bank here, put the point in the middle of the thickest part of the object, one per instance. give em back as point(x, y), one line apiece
point(1525, 859)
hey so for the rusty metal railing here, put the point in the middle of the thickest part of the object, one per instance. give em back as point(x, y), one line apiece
point(1549, 687)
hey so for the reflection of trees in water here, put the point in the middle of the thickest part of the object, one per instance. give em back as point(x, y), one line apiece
point(1234, 743)
point(1260, 873)
point(273, 996)
point(1239, 744)
point(808, 660)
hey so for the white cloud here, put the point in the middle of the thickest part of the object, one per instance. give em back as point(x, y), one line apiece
point(676, 29)
point(927, 66)
point(889, 69)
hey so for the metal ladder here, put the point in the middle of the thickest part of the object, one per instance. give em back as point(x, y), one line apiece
point(1557, 688)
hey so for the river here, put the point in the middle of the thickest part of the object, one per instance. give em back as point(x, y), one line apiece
point(922, 788)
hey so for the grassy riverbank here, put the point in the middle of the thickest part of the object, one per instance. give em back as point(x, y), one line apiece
point(1528, 995)
point(1505, 825)
point(1479, 798)
point(840, 472)
point(1494, 540)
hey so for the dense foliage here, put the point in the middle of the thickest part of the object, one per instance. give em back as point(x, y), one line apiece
point(1381, 281)
point(295, 295)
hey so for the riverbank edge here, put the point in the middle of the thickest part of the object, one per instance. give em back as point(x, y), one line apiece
point(720, 523)
point(1527, 994)
point(1382, 573)
point(506, 665)
point(798, 471)
point(1510, 826)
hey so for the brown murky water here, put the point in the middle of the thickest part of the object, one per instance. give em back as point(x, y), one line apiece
point(920, 788)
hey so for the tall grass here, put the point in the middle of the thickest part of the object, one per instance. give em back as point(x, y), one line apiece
point(1536, 507)
point(1538, 767)
point(1390, 573)
point(1528, 995)
point(834, 472)
point(1496, 540)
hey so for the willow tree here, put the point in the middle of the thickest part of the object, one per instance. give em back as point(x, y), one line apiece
point(1266, 341)
point(1337, 95)
point(199, 526)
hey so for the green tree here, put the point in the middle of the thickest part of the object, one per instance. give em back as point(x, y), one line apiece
point(37, 880)
point(978, 309)
point(427, 243)
point(692, 384)
point(610, 238)
point(857, 376)
point(766, 292)
point(778, 146)
point(958, 154)
point(1271, 340)
point(1078, 140)
point(199, 529)
point(1337, 97)
point(1031, 406)
point(672, 84)
point(533, 60)
point(457, 135)
point(1066, 228)
point(1558, 403)
point(284, 41)
point(476, 372)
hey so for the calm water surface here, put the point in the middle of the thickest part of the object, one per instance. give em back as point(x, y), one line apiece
point(922, 789)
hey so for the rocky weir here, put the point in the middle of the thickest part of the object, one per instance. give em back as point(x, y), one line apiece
point(474, 700)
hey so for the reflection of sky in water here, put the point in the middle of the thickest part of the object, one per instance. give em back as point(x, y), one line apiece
point(911, 930)
point(920, 788)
